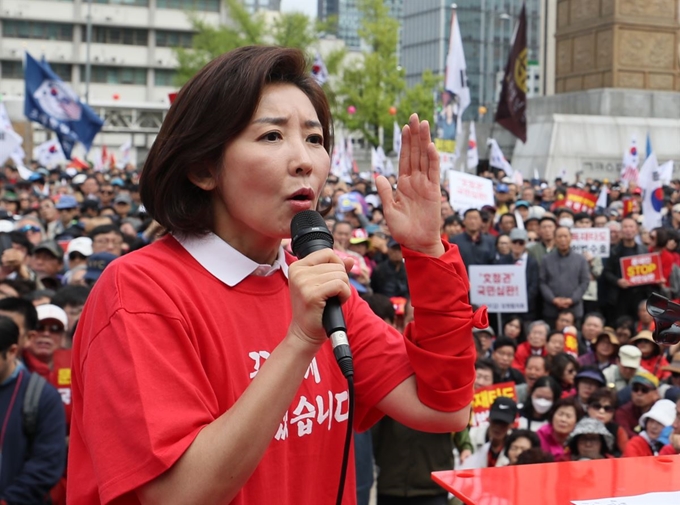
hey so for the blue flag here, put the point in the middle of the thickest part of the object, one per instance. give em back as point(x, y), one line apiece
point(50, 102)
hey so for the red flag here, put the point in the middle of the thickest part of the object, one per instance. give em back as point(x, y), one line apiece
point(627, 207)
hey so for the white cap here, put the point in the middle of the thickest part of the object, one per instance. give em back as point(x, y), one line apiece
point(83, 245)
point(630, 356)
point(663, 412)
point(49, 311)
point(79, 179)
point(6, 226)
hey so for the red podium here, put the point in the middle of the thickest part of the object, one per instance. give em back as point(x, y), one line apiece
point(559, 483)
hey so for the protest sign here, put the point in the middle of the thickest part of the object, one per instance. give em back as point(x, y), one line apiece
point(577, 200)
point(642, 269)
point(593, 240)
point(469, 191)
point(502, 288)
point(484, 398)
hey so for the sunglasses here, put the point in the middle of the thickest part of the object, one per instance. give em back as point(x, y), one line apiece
point(52, 328)
point(607, 408)
point(28, 227)
point(520, 242)
point(639, 388)
point(106, 192)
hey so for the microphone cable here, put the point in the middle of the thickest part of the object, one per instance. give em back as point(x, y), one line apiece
point(348, 440)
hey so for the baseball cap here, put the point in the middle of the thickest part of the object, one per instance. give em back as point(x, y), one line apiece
point(82, 245)
point(123, 198)
point(359, 235)
point(518, 234)
point(503, 409)
point(392, 243)
point(67, 202)
point(592, 374)
point(117, 181)
point(645, 378)
point(502, 188)
point(50, 311)
point(52, 247)
point(630, 356)
point(522, 203)
point(96, 264)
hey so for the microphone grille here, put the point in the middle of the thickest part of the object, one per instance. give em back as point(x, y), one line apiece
point(305, 220)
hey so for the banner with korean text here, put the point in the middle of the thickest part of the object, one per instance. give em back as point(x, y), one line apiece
point(484, 398)
point(592, 240)
point(577, 200)
point(502, 288)
point(469, 191)
point(642, 269)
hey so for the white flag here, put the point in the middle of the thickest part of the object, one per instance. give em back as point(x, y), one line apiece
point(652, 194)
point(17, 153)
point(536, 176)
point(378, 160)
point(49, 153)
point(602, 199)
point(9, 142)
point(497, 160)
point(666, 172)
point(456, 75)
point(389, 168)
point(631, 161)
point(319, 71)
point(125, 154)
point(396, 139)
point(473, 152)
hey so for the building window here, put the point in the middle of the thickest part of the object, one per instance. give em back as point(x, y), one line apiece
point(199, 5)
point(113, 35)
point(164, 77)
point(117, 75)
point(140, 3)
point(12, 28)
point(173, 39)
point(63, 70)
point(12, 69)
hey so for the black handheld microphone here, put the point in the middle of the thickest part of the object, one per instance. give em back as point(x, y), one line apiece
point(309, 234)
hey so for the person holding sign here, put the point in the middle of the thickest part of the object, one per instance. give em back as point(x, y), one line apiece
point(620, 297)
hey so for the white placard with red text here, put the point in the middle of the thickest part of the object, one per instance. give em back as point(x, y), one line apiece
point(502, 288)
point(593, 240)
point(469, 191)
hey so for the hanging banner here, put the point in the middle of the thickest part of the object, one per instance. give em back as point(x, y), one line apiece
point(577, 200)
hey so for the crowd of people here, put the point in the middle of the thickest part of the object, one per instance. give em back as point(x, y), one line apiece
point(588, 380)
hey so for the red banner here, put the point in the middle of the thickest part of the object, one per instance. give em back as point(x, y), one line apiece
point(484, 398)
point(577, 200)
point(642, 269)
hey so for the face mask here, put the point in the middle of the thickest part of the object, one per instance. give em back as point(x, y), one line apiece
point(541, 405)
point(567, 221)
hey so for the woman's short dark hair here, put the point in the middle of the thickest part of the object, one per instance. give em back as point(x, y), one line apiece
point(542, 382)
point(603, 393)
point(214, 107)
point(528, 434)
point(570, 401)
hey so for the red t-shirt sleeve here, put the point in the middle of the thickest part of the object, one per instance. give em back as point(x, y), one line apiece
point(667, 450)
point(146, 364)
point(439, 340)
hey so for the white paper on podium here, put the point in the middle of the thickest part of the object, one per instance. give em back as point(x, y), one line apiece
point(670, 498)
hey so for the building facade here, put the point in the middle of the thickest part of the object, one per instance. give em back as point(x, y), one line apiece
point(348, 17)
point(487, 28)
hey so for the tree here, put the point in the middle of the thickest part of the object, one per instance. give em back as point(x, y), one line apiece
point(375, 84)
point(289, 30)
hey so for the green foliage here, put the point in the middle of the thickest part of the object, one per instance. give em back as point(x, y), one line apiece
point(289, 30)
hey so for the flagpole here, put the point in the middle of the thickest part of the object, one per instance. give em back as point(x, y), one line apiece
point(88, 66)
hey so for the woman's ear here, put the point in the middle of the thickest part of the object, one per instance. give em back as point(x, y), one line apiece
point(203, 177)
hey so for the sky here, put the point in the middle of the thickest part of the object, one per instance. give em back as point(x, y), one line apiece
point(306, 6)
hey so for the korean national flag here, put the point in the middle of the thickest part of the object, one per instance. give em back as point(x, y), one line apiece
point(50, 102)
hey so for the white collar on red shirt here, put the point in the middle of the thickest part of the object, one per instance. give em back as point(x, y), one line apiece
point(226, 263)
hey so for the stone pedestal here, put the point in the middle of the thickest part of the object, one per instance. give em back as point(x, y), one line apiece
point(617, 44)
